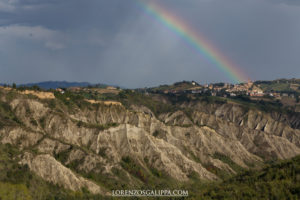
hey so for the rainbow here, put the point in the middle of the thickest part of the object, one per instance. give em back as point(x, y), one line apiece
point(193, 39)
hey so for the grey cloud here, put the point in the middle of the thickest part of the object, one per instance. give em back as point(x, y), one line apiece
point(145, 53)
point(287, 2)
point(16, 5)
point(51, 39)
point(116, 42)
point(6, 6)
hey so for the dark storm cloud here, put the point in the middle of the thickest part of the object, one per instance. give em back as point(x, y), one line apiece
point(288, 2)
point(116, 42)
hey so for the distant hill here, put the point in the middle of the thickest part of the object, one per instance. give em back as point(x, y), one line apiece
point(280, 85)
point(61, 84)
point(178, 86)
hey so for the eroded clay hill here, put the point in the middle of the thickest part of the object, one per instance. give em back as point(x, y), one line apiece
point(96, 145)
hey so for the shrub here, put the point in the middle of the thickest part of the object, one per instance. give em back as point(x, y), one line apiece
point(133, 168)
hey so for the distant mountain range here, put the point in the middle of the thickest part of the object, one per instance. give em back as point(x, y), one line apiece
point(61, 84)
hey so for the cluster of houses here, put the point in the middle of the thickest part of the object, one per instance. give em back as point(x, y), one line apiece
point(225, 90)
point(247, 89)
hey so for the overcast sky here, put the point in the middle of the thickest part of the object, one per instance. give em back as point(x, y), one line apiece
point(115, 42)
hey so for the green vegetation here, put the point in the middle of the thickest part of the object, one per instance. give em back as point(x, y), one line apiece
point(228, 161)
point(34, 87)
point(17, 182)
point(43, 122)
point(212, 99)
point(277, 181)
point(287, 86)
point(266, 106)
point(63, 156)
point(150, 177)
point(275, 87)
point(7, 116)
point(128, 98)
point(71, 99)
point(100, 127)
point(134, 168)
point(179, 86)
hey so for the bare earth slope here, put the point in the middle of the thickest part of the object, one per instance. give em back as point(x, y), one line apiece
point(72, 146)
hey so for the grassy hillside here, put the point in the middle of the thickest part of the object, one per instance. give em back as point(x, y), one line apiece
point(280, 85)
point(17, 182)
point(276, 181)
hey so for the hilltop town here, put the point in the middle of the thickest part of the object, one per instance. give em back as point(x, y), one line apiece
point(285, 92)
point(281, 89)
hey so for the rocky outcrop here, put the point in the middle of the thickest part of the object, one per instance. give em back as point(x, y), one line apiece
point(254, 129)
point(177, 143)
point(136, 142)
point(20, 137)
point(49, 169)
point(177, 118)
point(52, 147)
